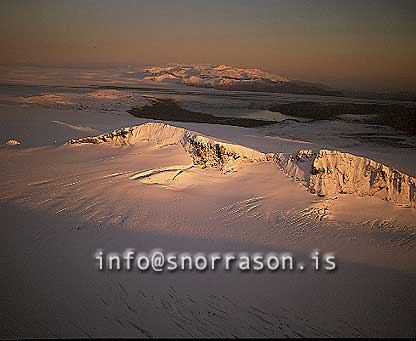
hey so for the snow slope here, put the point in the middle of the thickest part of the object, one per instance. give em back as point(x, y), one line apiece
point(329, 172)
point(98, 100)
point(59, 204)
point(210, 75)
point(203, 150)
point(226, 77)
point(326, 172)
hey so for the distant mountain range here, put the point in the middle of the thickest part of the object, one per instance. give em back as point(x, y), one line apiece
point(226, 77)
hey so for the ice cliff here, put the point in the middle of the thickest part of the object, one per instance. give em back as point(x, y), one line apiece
point(204, 151)
point(329, 172)
point(324, 172)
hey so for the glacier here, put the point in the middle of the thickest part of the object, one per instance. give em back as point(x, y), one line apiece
point(323, 172)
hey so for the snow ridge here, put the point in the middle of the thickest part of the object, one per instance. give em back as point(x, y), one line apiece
point(324, 172)
point(329, 172)
point(204, 151)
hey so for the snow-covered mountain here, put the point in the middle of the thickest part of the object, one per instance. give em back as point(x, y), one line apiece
point(226, 77)
point(324, 172)
point(209, 75)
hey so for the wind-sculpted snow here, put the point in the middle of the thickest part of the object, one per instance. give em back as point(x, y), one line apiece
point(329, 172)
point(204, 151)
point(325, 172)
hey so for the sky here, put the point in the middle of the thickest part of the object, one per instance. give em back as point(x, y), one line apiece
point(366, 45)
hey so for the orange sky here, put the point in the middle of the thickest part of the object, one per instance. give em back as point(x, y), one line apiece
point(359, 44)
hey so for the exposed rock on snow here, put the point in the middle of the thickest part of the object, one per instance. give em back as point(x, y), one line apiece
point(329, 172)
point(204, 151)
point(325, 172)
point(12, 142)
point(226, 77)
point(209, 75)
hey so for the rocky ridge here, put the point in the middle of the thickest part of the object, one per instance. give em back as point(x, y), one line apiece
point(324, 172)
point(204, 151)
point(331, 172)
